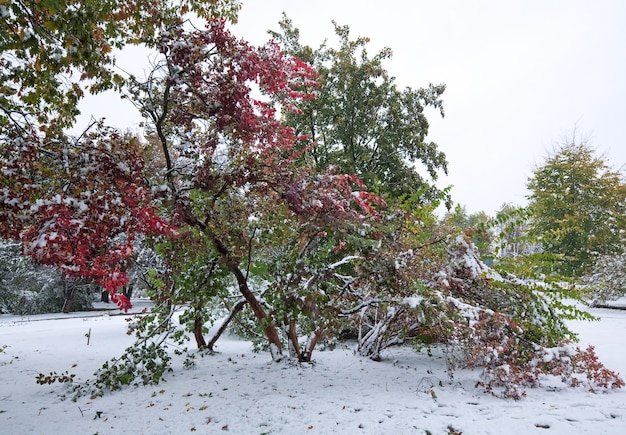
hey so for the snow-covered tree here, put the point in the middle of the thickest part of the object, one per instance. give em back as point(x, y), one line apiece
point(238, 210)
point(28, 288)
point(578, 207)
point(607, 279)
point(231, 163)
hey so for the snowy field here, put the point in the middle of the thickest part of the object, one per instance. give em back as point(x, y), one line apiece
point(238, 391)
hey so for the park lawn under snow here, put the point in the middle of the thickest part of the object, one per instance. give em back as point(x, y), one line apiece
point(241, 392)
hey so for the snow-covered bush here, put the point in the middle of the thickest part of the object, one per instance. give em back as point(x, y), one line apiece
point(511, 363)
point(514, 330)
point(26, 288)
point(607, 280)
point(511, 329)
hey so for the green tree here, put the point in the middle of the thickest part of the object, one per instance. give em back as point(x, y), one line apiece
point(577, 206)
point(361, 122)
point(475, 225)
point(51, 50)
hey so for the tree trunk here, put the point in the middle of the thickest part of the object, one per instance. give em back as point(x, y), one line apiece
point(294, 346)
point(371, 344)
point(303, 355)
point(67, 304)
point(233, 265)
point(197, 332)
point(127, 291)
point(308, 352)
point(68, 294)
point(236, 309)
point(276, 348)
point(384, 334)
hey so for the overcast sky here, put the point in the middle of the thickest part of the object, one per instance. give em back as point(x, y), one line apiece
point(520, 76)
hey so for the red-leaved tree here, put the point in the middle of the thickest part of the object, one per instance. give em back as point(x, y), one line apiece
point(214, 102)
point(78, 204)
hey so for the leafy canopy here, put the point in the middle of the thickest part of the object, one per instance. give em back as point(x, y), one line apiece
point(361, 122)
point(50, 48)
point(578, 207)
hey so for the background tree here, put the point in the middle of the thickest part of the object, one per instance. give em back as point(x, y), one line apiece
point(28, 288)
point(512, 227)
point(361, 122)
point(606, 281)
point(516, 250)
point(577, 206)
point(475, 225)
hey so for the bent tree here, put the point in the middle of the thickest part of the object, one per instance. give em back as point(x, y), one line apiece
point(230, 161)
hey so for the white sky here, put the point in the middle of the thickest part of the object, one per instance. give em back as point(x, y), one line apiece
point(520, 76)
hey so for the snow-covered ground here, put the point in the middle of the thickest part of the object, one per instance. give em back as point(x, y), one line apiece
point(241, 392)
